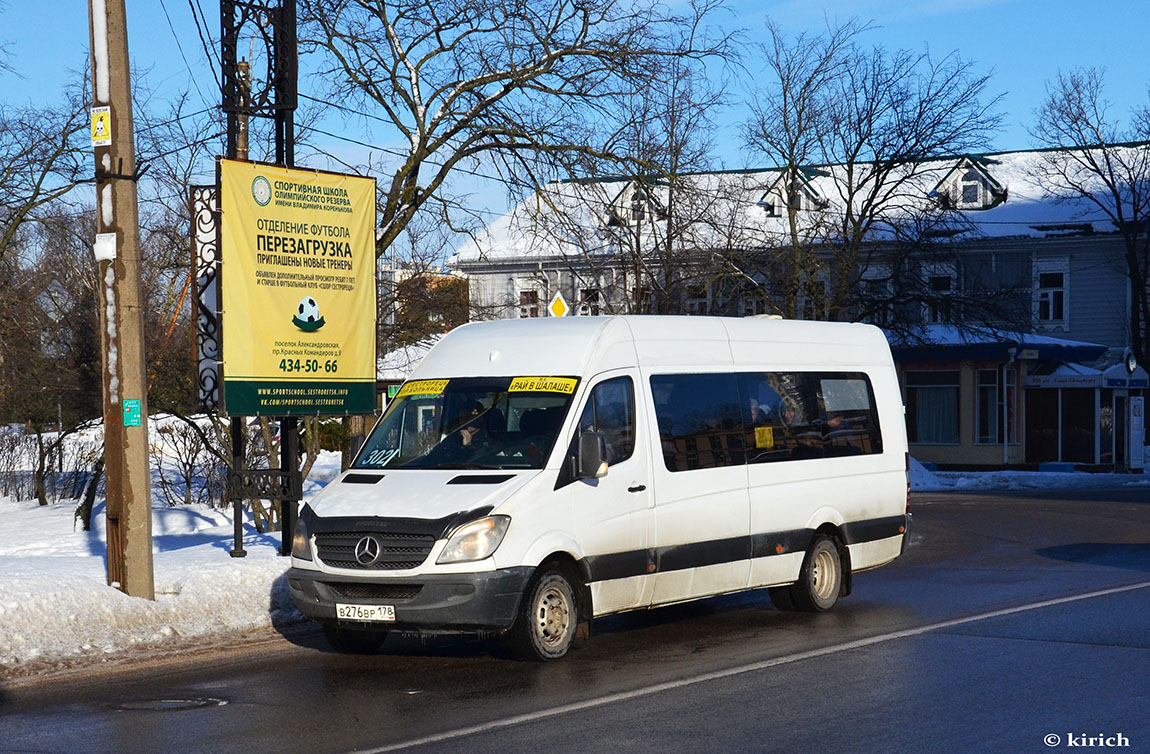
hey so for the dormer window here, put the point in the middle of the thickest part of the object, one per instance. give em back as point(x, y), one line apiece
point(969, 186)
point(802, 197)
point(638, 205)
point(797, 203)
point(633, 205)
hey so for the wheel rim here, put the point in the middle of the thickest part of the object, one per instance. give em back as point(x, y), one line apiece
point(823, 575)
point(552, 617)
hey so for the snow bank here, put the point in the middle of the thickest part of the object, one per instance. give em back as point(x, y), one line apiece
point(924, 480)
point(56, 609)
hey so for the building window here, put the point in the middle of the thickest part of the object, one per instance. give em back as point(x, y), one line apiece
point(528, 304)
point(588, 302)
point(754, 306)
point(696, 302)
point(875, 301)
point(989, 406)
point(972, 189)
point(797, 205)
point(939, 306)
point(814, 299)
point(1051, 300)
point(1051, 296)
point(638, 205)
point(932, 407)
point(939, 289)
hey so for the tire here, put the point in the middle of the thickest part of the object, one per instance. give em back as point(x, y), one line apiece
point(352, 642)
point(820, 579)
point(548, 616)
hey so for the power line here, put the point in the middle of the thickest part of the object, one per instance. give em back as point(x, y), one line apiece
point(194, 5)
point(178, 118)
point(346, 109)
point(386, 150)
point(180, 47)
point(396, 152)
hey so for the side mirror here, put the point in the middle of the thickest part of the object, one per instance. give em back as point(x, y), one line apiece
point(592, 455)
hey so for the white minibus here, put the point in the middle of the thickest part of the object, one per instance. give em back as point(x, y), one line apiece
point(534, 474)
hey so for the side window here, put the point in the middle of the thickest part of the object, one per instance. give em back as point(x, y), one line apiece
point(795, 416)
point(611, 410)
point(851, 426)
point(788, 426)
point(700, 420)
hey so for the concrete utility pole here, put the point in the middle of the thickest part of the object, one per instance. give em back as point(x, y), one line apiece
point(127, 483)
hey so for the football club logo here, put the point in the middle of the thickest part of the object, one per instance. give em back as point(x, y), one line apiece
point(307, 316)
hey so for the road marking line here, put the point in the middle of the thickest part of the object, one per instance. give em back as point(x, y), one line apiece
point(750, 668)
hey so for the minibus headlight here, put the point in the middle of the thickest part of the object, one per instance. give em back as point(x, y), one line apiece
point(475, 540)
point(300, 547)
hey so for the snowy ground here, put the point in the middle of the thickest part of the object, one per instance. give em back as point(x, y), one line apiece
point(57, 612)
point(922, 480)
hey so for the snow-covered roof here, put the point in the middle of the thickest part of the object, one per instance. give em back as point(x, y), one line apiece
point(946, 342)
point(573, 218)
point(953, 335)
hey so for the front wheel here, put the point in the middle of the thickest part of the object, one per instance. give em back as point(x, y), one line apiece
point(820, 579)
point(544, 627)
point(352, 642)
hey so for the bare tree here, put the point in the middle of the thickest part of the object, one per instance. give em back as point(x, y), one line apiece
point(1096, 161)
point(42, 158)
point(631, 240)
point(869, 124)
point(892, 116)
point(462, 80)
point(786, 125)
point(4, 54)
point(667, 131)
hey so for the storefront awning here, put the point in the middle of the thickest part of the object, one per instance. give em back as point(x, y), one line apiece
point(950, 343)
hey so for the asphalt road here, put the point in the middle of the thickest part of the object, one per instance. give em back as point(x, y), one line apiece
point(1012, 624)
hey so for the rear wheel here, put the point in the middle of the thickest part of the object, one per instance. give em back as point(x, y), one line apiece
point(820, 579)
point(544, 628)
point(353, 642)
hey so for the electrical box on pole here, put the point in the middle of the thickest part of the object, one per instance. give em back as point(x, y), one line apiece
point(117, 250)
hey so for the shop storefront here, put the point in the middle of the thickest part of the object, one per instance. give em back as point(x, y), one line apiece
point(1078, 414)
point(999, 399)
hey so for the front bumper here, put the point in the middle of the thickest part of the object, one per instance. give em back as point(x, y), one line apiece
point(483, 601)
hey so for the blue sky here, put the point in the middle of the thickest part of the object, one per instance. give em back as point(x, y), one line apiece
point(1024, 42)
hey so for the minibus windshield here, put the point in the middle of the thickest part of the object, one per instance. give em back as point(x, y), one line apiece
point(470, 423)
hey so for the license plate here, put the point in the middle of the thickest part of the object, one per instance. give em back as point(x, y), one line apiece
point(366, 613)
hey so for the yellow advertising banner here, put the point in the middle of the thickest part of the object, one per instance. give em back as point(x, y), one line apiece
point(298, 290)
point(543, 384)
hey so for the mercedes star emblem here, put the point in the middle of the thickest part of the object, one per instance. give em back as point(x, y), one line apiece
point(368, 550)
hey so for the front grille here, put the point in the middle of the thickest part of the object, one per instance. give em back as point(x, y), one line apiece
point(375, 591)
point(399, 550)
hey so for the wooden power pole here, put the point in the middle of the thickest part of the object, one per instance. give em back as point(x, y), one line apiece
point(127, 481)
